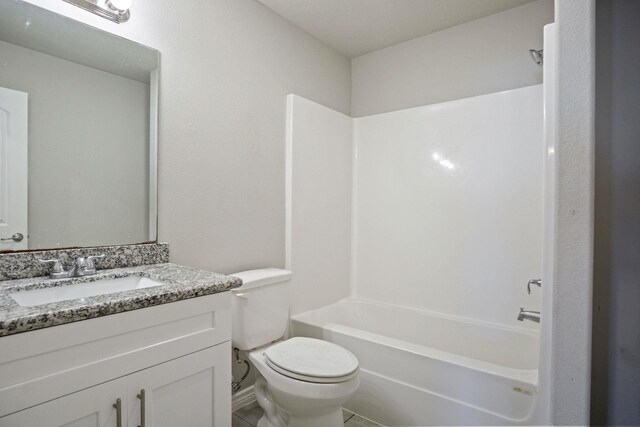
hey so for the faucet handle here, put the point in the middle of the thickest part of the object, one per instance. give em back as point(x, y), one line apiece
point(537, 282)
point(89, 260)
point(57, 270)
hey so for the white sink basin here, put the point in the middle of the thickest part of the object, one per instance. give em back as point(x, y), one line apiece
point(81, 290)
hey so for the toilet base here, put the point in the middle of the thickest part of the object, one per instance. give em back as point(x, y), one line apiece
point(288, 402)
point(299, 414)
point(263, 422)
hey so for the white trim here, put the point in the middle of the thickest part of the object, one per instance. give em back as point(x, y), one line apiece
point(354, 208)
point(543, 405)
point(573, 261)
point(243, 398)
point(153, 153)
point(288, 191)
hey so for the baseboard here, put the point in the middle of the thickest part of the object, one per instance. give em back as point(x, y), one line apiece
point(243, 398)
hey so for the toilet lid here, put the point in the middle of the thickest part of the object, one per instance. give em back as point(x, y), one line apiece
point(312, 360)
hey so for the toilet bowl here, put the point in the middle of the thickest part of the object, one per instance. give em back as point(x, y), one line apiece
point(299, 386)
point(300, 381)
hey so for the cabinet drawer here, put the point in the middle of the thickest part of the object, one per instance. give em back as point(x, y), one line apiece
point(47, 363)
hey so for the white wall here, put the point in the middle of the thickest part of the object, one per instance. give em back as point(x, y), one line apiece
point(449, 206)
point(88, 150)
point(226, 67)
point(573, 276)
point(483, 56)
point(319, 142)
point(615, 394)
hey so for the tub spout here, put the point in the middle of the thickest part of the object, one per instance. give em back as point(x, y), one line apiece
point(534, 316)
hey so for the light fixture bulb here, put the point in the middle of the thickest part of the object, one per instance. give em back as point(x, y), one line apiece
point(119, 5)
point(113, 10)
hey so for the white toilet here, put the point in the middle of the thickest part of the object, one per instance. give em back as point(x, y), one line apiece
point(300, 381)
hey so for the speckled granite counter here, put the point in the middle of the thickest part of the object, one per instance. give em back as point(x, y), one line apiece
point(179, 282)
point(20, 265)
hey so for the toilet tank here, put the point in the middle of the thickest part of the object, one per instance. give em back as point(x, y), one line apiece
point(260, 307)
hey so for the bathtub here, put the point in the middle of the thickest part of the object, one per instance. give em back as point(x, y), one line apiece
point(421, 368)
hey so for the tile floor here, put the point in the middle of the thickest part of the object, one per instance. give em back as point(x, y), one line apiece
point(249, 415)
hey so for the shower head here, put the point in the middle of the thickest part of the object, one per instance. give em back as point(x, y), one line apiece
point(537, 56)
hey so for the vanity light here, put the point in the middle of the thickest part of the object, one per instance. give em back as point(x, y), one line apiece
point(119, 5)
point(113, 10)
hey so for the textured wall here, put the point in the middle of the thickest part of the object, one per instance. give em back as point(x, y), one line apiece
point(483, 56)
point(226, 67)
point(615, 393)
point(572, 293)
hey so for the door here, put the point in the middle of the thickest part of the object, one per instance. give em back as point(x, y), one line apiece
point(13, 170)
point(193, 390)
point(92, 407)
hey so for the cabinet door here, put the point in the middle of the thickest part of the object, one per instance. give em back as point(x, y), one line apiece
point(92, 407)
point(192, 390)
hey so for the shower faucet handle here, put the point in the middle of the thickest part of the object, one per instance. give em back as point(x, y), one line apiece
point(537, 282)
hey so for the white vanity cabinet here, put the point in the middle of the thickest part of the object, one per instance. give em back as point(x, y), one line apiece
point(175, 393)
point(73, 374)
point(88, 408)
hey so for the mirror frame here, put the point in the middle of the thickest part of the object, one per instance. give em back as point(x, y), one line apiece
point(154, 89)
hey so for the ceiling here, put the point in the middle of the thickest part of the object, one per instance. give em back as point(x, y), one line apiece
point(355, 27)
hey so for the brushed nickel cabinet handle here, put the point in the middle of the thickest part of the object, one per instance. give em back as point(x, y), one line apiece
point(118, 406)
point(142, 408)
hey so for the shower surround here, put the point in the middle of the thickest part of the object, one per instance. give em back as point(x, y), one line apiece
point(443, 207)
point(448, 206)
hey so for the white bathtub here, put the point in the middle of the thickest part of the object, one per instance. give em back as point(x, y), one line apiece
point(421, 368)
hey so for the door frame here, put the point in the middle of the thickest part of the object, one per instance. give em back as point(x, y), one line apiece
point(15, 170)
point(570, 376)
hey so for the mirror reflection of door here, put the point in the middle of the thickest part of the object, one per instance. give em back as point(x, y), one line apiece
point(13, 170)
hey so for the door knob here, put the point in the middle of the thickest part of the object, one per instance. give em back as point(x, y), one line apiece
point(16, 238)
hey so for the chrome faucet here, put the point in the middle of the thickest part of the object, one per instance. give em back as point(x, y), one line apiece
point(81, 267)
point(84, 266)
point(534, 316)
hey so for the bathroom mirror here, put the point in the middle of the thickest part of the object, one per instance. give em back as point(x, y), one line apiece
point(78, 126)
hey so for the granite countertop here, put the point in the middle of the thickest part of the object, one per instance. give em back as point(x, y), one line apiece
point(179, 282)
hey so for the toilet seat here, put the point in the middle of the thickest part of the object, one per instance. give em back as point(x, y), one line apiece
point(312, 360)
